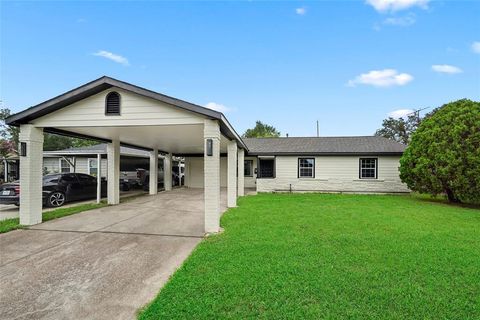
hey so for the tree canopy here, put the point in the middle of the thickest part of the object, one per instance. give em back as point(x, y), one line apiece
point(444, 153)
point(400, 129)
point(261, 130)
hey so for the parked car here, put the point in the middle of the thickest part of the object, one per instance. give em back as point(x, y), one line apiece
point(58, 189)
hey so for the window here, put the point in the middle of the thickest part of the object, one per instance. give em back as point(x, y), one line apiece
point(86, 179)
point(248, 168)
point(92, 167)
point(112, 104)
point(306, 168)
point(64, 166)
point(266, 168)
point(368, 168)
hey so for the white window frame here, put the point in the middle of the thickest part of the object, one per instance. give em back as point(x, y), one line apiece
point(300, 167)
point(361, 168)
point(61, 167)
point(90, 167)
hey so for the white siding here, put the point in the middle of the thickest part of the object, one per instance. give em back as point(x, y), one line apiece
point(52, 165)
point(135, 110)
point(194, 172)
point(334, 174)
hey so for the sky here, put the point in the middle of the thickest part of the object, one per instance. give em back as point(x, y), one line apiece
point(347, 64)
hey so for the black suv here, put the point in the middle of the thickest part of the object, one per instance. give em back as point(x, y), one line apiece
point(57, 189)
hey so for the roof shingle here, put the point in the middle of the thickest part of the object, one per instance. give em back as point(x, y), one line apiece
point(323, 145)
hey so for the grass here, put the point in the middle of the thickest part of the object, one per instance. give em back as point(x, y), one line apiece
point(330, 256)
point(13, 224)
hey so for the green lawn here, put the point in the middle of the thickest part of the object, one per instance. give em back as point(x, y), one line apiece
point(331, 256)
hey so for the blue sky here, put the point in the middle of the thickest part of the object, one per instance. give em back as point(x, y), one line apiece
point(347, 64)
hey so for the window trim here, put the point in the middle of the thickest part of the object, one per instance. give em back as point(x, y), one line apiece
point(360, 169)
point(89, 167)
point(298, 168)
point(119, 103)
point(60, 166)
point(274, 159)
point(251, 171)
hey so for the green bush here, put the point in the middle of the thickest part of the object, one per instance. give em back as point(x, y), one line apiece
point(444, 153)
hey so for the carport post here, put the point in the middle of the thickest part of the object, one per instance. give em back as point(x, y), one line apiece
point(153, 189)
point(99, 177)
point(232, 174)
point(31, 155)
point(241, 177)
point(212, 175)
point(113, 172)
point(167, 171)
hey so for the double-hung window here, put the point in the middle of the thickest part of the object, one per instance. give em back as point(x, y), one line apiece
point(92, 167)
point(64, 166)
point(368, 168)
point(306, 167)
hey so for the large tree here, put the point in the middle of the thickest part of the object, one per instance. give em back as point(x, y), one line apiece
point(444, 153)
point(261, 130)
point(400, 129)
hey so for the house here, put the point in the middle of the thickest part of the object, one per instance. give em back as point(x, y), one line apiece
point(121, 114)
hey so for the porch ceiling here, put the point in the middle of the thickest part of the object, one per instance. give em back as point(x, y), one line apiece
point(170, 138)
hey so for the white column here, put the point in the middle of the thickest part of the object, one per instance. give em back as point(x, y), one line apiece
point(31, 175)
point(113, 172)
point(99, 177)
point(212, 176)
point(241, 177)
point(232, 174)
point(153, 189)
point(167, 169)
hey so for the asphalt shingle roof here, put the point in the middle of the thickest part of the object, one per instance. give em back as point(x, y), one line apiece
point(323, 145)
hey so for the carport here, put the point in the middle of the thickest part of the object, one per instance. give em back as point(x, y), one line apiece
point(119, 113)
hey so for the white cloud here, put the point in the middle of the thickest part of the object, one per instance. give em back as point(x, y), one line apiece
point(301, 11)
point(476, 47)
point(396, 5)
point(112, 56)
point(445, 68)
point(382, 78)
point(217, 107)
point(400, 21)
point(401, 113)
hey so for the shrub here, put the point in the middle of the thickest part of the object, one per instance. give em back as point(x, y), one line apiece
point(444, 154)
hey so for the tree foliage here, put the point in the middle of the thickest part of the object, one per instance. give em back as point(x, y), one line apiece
point(400, 129)
point(444, 153)
point(261, 130)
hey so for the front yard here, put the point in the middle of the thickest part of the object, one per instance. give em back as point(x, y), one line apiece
point(331, 256)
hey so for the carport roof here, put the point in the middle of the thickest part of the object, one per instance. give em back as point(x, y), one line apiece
point(104, 83)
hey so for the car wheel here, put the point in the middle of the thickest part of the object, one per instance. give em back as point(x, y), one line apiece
point(56, 199)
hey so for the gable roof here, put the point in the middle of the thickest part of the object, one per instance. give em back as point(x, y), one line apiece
point(366, 145)
point(104, 83)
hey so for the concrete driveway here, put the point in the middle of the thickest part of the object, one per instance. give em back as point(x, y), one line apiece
point(100, 264)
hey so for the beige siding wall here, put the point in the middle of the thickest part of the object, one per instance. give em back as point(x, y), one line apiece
point(194, 176)
point(334, 174)
point(135, 110)
point(52, 165)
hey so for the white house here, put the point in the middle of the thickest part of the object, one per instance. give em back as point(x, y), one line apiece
point(118, 113)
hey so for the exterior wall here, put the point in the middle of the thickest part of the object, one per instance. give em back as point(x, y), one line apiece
point(194, 172)
point(250, 182)
point(52, 165)
point(134, 110)
point(334, 174)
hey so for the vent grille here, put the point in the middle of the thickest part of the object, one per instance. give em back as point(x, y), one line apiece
point(112, 104)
